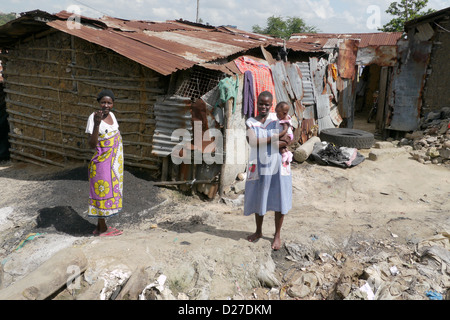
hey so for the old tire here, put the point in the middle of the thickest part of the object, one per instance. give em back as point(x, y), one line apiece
point(351, 138)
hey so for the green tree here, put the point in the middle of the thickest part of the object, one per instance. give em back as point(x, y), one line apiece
point(284, 28)
point(403, 11)
point(5, 17)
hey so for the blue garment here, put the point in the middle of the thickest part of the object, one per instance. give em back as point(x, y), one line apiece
point(269, 182)
point(248, 102)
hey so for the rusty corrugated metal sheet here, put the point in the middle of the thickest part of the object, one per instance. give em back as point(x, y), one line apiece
point(405, 92)
point(312, 42)
point(153, 58)
point(348, 50)
point(161, 46)
point(385, 56)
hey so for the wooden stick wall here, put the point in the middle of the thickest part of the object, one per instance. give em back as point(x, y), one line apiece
point(51, 84)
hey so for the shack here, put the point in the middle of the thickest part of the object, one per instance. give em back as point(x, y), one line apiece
point(347, 70)
point(54, 65)
point(420, 81)
point(181, 98)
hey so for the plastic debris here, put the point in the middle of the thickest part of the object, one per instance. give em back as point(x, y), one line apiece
point(158, 285)
point(433, 295)
point(29, 237)
point(368, 290)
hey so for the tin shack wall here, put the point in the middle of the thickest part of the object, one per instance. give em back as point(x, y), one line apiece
point(436, 92)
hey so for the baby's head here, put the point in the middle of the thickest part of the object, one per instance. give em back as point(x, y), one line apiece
point(282, 110)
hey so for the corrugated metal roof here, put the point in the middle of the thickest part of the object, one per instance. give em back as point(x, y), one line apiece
point(161, 46)
point(312, 42)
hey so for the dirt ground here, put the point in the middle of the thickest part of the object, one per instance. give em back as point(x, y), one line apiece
point(343, 221)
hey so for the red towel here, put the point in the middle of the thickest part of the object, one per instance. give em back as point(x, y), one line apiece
point(262, 79)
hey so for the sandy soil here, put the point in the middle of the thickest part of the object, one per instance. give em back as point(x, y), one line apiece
point(201, 246)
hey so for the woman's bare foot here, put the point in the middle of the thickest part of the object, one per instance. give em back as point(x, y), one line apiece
point(276, 244)
point(254, 237)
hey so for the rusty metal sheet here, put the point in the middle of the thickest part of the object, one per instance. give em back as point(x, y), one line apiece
point(384, 56)
point(405, 94)
point(155, 59)
point(377, 39)
point(171, 113)
point(313, 42)
point(347, 58)
point(161, 46)
point(224, 39)
point(199, 41)
point(190, 53)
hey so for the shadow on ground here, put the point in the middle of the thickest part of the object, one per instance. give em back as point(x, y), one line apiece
point(64, 219)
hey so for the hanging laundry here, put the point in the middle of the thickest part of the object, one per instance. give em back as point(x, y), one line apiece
point(262, 79)
point(334, 71)
point(228, 88)
point(248, 99)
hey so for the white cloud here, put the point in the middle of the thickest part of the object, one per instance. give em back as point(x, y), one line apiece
point(327, 15)
point(321, 8)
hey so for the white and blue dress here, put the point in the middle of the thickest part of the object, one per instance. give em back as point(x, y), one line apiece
point(269, 181)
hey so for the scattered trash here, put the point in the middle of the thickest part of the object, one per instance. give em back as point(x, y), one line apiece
point(394, 270)
point(433, 295)
point(368, 290)
point(114, 281)
point(154, 290)
point(29, 237)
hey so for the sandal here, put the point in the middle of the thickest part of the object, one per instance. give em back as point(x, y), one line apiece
point(112, 233)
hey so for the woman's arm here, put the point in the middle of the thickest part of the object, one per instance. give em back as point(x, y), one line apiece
point(254, 141)
point(93, 138)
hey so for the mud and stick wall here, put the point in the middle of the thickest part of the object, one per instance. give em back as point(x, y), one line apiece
point(51, 84)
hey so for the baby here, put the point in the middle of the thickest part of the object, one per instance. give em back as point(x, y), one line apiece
point(282, 111)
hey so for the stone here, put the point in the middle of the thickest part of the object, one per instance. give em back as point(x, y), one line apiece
point(445, 153)
point(298, 291)
point(414, 135)
point(433, 116)
point(433, 152)
point(383, 145)
point(377, 154)
point(240, 176)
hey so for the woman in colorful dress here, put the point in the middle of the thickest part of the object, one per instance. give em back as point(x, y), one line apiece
point(269, 183)
point(106, 166)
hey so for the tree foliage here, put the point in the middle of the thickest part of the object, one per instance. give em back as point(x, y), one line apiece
point(5, 17)
point(403, 11)
point(284, 28)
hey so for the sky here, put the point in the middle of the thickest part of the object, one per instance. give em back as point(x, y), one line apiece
point(328, 16)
